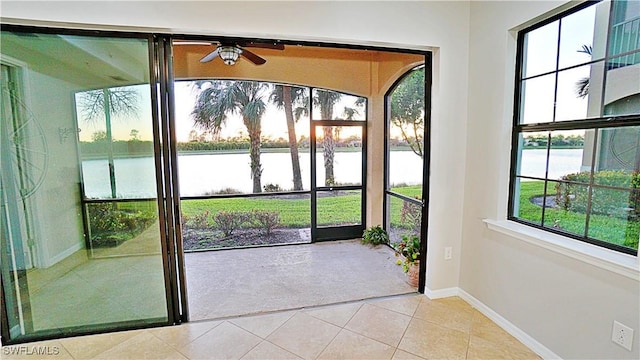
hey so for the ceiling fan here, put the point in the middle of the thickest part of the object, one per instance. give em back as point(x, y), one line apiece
point(230, 52)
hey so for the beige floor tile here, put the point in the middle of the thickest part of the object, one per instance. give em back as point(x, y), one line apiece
point(337, 315)
point(263, 325)
point(403, 355)
point(379, 324)
point(141, 346)
point(266, 350)
point(181, 335)
point(433, 341)
point(349, 345)
point(225, 341)
point(406, 305)
point(33, 351)
point(87, 347)
point(486, 329)
point(482, 349)
point(453, 313)
point(304, 335)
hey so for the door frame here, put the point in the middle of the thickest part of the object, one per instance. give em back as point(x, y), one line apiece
point(424, 201)
point(327, 233)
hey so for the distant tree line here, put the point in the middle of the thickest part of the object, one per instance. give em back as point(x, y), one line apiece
point(559, 140)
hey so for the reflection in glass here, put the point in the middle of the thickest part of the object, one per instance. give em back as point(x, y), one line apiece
point(573, 93)
point(619, 149)
point(340, 207)
point(537, 99)
point(576, 37)
point(624, 35)
point(122, 228)
point(116, 142)
point(540, 50)
point(82, 265)
point(621, 92)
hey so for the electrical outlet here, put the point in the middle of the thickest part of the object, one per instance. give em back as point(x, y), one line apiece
point(622, 335)
point(448, 253)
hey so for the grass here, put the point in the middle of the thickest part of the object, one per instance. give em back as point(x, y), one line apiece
point(611, 229)
point(296, 212)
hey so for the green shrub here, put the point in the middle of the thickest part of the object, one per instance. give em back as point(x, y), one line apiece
point(272, 188)
point(200, 221)
point(230, 221)
point(604, 201)
point(411, 216)
point(111, 225)
point(375, 235)
point(265, 220)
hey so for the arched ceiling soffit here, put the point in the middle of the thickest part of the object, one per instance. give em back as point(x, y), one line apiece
point(354, 71)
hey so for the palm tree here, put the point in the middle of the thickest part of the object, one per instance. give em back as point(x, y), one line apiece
point(108, 102)
point(326, 100)
point(217, 99)
point(582, 85)
point(285, 97)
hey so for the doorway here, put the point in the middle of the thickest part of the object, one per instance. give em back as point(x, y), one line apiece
point(114, 181)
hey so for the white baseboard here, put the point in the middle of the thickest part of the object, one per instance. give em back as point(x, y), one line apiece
point(505, 324)
point(441, 293)
point(509, 327)
point(63, 255)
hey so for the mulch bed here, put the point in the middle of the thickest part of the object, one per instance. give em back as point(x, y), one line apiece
point(205, 239)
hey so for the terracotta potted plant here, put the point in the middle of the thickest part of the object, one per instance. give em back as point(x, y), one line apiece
point(409, 252)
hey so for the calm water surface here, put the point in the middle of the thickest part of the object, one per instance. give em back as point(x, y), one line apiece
point(199, 174)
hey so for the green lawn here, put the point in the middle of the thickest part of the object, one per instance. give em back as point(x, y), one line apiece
point(296, 212)
point(610, 229)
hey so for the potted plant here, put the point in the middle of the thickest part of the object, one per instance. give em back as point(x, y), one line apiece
point(375, 236)
point(409, 250)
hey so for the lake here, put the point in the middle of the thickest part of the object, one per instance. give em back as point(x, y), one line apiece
point(203, 173)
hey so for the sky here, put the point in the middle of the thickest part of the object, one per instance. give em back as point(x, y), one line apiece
point(273, 122)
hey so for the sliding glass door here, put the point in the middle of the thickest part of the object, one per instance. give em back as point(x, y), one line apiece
point(81, 242)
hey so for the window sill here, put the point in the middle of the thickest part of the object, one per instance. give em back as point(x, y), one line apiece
point(619, 263)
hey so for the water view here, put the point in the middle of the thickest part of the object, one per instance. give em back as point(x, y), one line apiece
point(208, 173)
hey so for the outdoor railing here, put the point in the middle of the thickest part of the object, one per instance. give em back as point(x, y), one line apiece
point(625, 37)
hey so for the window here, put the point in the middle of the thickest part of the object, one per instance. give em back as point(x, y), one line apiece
point(576, 136)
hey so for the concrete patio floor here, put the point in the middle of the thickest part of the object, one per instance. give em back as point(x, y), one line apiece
point(234, 282)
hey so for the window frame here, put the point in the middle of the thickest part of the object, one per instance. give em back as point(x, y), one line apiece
point(597, 123)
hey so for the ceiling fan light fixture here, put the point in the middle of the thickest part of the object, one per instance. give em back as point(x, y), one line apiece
point(229, 54)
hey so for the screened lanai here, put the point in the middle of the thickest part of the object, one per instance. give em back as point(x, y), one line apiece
point(133, 199)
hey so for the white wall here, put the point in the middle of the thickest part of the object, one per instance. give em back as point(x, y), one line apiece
point(417, 25)
point(565, 304)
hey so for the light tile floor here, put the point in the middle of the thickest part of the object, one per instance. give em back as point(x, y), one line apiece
point(399, 327)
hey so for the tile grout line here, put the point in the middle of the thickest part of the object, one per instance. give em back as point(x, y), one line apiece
point(177, 328)
point(405, 331)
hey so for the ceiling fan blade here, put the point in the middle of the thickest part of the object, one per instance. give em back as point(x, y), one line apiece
point(252, 57)
point(212, 55)
point(264, 45)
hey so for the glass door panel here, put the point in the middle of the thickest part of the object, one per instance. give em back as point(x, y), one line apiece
point(338, 201)
point(81, 240)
